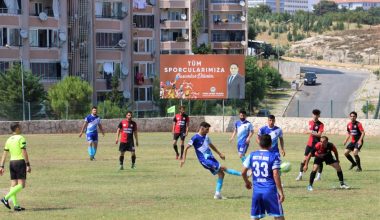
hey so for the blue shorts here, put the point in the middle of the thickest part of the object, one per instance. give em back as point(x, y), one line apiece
point(92, 137)
point(211, 164)
point(266, 203)
point(242, 148)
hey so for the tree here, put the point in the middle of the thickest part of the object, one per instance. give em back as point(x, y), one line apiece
point(11, 93)
point(70, 94)
point(196, 25)
point(255, 83)
point(114, 96)
point(202, 49)
point(109, 109)
point(324, 7)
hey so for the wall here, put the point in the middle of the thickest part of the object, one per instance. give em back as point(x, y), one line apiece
point(289, 125)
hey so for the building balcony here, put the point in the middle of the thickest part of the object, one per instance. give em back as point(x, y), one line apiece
point(227, 45)
point(50, 22)
point(174, 4)
point(6, 11)
point(167, 24)
point(225, 7)
point(228, 26)
point(175, 45)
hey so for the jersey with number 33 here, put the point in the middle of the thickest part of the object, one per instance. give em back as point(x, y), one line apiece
point(262, 163)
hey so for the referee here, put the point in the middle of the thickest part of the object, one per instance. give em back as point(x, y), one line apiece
point(18, 166)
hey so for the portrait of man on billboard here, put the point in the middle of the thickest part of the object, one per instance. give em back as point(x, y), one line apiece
point(235, 83)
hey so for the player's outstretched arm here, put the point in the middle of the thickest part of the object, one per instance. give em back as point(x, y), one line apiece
point(282, 145)
point(26, 158)
point(136, 138)
point(2, 162)
point(335, 153)
point(184, 156)
point(221, 155)
point(248, 183)
point(83, 127)
point(277, 180)
point(117, 135)
point(249, 137)
point(101, 129)
point(345, 140)
point(233, 135)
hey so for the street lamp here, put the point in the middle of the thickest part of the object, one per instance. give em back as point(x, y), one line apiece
point(278, 43)
point(22, 85)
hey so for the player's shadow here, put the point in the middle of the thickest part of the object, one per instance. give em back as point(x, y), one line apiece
point(370, 170)
point(238, 197)
point(47, 209)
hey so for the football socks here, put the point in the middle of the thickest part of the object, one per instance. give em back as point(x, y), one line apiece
point(233, 172)
point(219, 185)
point(14, 190)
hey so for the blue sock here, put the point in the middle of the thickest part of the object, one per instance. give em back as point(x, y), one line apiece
point(243, 158)
point(233, 172)
point(89, 149)
point(93, 151)
point(219, 185)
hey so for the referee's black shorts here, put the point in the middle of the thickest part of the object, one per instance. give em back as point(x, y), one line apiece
point(17, 169)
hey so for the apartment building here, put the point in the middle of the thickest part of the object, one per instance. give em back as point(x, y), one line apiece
point(276, 5)
point(34, 33)
point(96, 39)
point(354, 4)
point(292, 6)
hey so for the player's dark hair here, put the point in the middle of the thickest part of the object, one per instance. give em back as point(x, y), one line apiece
point(182, 106)
point(271, 117)
point(354, 113)
point(14, 126)
point(325, 137)
point(94, 107)
point(316, 112)
point(130, 112)
point(242, 111)
point(205, 124)
point(265, 141)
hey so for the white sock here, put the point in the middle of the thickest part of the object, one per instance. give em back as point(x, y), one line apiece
point(300, 174)
point(318, 175)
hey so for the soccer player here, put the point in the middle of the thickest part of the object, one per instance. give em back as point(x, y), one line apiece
point(356, 132)
point(180, 129)
point(275, 133)
point(267, 193)
point(18, 166)
point(92, 122)
point(323, 154)
point(244, 131)
point(316, 128)
point(127, 128)
point(202, 145)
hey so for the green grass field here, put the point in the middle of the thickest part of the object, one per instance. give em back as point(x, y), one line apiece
point(65, 184)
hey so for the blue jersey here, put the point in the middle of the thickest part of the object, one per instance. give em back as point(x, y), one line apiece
point(262, 163)
point(243, 129)
point(92, 124)
point(275, 133)
point(201, 145)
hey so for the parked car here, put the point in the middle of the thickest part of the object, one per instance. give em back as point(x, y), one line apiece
point(310, 78)
point(263, 113)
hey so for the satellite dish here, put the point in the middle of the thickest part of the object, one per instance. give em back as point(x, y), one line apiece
point(243, 43)
point(24, 33)
point(64, 65)
point(124, 70)
point(127, 94)
point(242, 3)
point(124, 9)
point(62, 36)
point(185, 36)
point(183, 16)
point(242, 18)
point(122, 43)
point(43, 16)
point(108, 68)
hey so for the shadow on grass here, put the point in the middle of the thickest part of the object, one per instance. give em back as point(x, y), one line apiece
point(237, 197)
point(48, 209)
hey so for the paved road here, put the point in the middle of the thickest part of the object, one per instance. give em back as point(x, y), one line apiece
point(333, 94)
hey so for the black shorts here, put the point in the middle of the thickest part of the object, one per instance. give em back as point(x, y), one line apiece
point(308, 150)
point(129, 146)
point(328, 159)
point(351, 146)
point(179, 135)
point(17, 169)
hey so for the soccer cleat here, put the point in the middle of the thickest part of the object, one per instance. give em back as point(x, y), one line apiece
point(121, 167)
point(6, 203)
point(318, 178)
point(352, 166)
point(219, 197)
point(133, 166)
point(299, 178)
point(19, 208)
point(344, 186)
point(359, 169)
point(309, 188)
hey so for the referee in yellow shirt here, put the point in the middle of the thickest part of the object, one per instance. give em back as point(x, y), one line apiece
point(18, 166)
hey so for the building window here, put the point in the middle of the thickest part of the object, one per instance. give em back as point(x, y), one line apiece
point(226, 1)
point(43, 38)
point(108, 9)
point(4, 65)
point(143, 94)
point(143, 21)
point(10, 36)
point(143, 45)
point(107, 69)
point(108, 40)
point(47, 71)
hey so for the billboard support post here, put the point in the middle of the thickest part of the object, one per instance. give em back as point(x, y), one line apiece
point(223, 114)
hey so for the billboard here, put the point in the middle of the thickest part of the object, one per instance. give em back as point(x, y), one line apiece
point(202, 76)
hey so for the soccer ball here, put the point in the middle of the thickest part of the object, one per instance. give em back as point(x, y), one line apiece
point(285, 166)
